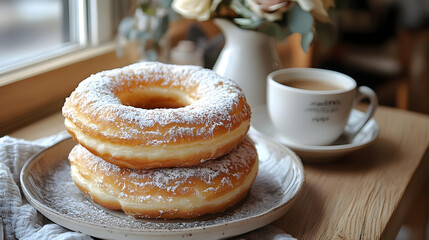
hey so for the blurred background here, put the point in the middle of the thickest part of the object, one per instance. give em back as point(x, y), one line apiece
point(381, 43)
point(384, 44)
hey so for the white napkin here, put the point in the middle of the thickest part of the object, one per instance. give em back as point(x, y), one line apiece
point(20, 220)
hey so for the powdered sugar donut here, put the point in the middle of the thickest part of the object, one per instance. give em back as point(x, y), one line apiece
point(189, 192)
point(151, 115)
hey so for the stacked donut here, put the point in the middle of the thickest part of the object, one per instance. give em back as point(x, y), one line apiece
point(161, 141)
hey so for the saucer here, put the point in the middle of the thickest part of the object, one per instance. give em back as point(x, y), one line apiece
point(262, 124)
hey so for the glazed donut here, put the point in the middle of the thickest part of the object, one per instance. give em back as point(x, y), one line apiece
point(151, 115)
point(168, 193)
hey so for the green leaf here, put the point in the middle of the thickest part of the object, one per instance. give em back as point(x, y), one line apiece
point(299, 20)
point(126, 26)
point(274, 29)
point(166, 3)
point(244, 22)
point(242, 10)
point(306, 39)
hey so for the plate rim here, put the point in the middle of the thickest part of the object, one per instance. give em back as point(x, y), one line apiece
point(318, 148)
point(273, 214)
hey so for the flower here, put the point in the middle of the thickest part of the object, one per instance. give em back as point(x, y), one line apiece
point(272, 10)
point(195, 9)
point(276, 18)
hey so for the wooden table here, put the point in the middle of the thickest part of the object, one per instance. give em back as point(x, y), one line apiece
point(365, 195)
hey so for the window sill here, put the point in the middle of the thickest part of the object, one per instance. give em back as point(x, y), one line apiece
point(37, 91)
point(47, 126)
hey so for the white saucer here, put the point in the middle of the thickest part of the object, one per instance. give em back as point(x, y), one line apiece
point(48, 186)
point(262, 124)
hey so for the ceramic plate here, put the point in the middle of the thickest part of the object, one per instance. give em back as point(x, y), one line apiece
point(261, 122)
point(47, 184)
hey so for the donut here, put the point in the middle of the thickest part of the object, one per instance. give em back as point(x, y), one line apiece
point(151, 115)
point(167, 193)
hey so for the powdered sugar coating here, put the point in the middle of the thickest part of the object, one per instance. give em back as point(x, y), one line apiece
point(95, 106)
point(225, 173)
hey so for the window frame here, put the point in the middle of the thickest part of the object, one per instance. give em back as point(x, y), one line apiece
point(37, 90)
point(77, 22)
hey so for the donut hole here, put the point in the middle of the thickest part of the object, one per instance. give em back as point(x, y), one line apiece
point(153, 98)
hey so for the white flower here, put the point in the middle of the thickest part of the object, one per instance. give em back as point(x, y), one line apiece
point(318, 8)
point(271, 10)
point(195, 9)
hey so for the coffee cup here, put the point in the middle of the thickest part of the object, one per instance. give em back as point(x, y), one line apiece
point(312, 106)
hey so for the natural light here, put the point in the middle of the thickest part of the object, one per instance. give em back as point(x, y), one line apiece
point(33, 30)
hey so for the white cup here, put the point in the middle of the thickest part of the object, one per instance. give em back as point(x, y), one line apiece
point(315, 117)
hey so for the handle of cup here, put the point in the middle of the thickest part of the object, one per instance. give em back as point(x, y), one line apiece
point(364, 93)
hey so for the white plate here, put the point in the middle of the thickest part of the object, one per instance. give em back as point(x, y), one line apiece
point(262, 124)
point(47, 184)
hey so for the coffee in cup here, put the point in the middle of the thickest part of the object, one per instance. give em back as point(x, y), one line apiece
point(308, 84)
point(312, 106)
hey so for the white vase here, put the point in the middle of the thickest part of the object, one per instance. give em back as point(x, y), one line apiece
point(247, 58)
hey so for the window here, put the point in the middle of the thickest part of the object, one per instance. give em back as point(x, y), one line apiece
point(31, 31)
point(35, 30)
point(48, 46)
